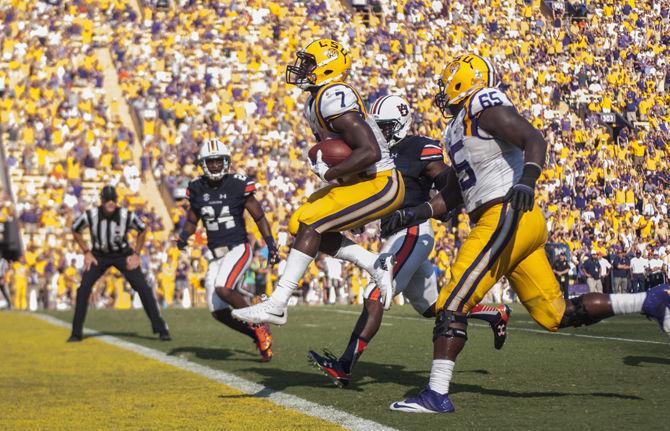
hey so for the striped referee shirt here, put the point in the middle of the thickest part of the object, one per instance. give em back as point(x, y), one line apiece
point(109, 234)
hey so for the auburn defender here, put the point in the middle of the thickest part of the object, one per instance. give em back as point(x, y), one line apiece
point(364, 187)
point(420, 161)
point(497, 157)
point(219, 199)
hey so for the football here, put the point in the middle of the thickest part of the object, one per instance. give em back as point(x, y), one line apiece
point(333, 151)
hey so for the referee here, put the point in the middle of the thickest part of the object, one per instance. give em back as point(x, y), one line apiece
point(109, 226)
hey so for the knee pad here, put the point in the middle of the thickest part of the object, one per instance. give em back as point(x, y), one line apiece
point(444, 325)
point(577, 315)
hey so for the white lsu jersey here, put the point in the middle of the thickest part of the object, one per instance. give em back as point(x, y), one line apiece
point(486, 167)
point(333, 100)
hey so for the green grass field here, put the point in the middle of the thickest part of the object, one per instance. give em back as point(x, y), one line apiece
point(538, 380)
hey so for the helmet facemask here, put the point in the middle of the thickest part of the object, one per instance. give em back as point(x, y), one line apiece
point(441, 100)
point(301, 73)
point(209, 165)
point(389, 129)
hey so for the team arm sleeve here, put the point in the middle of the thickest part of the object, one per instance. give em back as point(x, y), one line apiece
point(336, 100)
point(80, 223)
point(134, 222)
point(431, 152)
point(249, 187)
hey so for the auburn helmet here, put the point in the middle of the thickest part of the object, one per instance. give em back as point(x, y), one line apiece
point(319, 63)
point(462, 77)
point(393, 116)
point(214, 149)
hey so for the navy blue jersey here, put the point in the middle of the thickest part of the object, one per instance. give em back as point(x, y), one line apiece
point(411, 157)
point(221, 208)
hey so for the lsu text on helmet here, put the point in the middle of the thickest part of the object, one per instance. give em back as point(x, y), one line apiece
point(462, 77)
point(319, 63)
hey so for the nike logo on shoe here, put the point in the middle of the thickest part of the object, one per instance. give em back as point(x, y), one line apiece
point(277, 315)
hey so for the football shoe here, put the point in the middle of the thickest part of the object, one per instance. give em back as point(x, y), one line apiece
point(656, 306)
point(331, 367)
point(427, 401)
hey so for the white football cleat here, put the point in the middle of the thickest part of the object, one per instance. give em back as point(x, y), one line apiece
point(383, 278)
point(267, 311)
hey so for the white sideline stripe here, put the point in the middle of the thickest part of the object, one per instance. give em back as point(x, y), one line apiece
point(329, 414)
point(537, 331)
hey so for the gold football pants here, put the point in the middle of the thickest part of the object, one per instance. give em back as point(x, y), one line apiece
point(341, 207)
point(507, 243)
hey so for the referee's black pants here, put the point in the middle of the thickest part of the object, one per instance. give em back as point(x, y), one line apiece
point(137, 281)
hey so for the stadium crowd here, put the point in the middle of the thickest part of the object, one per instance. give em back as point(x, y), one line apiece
point(202, 69)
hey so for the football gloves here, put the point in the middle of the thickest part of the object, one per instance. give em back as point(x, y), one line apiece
point(406, 217)
point(273, 251)
point(320, 167)
point(522, 194)
point(273, 256)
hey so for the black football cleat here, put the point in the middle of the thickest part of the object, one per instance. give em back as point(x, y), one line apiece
point(165, 336)
point(331, 367)
point(74, 339)
point(500, 326)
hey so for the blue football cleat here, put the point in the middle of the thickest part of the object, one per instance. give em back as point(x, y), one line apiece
point(427, 401)
point(656, 306)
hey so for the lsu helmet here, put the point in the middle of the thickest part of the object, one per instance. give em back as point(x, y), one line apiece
point(319, 63)
point(462, 77)
point(214, 149)
point(393, 116)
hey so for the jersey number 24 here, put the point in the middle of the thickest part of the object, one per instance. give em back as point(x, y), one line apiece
point(212, 222)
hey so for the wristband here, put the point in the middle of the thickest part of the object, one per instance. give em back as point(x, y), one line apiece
point(531, 172)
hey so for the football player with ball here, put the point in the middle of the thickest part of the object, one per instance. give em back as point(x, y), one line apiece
point(364, 186)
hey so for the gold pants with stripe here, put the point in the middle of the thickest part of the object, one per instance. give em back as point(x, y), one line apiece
point(340, 207)
point(506, 243)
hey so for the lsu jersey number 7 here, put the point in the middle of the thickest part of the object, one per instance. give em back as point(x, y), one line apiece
point(486, 167)
point(333, 100)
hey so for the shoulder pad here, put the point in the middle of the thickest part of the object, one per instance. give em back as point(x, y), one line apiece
point(486, 98)
point(193, 185)
point(336, 99)
point(248, 185)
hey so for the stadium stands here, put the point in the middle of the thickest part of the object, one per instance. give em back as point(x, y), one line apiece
point(198, 69)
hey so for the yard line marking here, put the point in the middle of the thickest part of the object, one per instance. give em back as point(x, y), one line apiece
point(537, 331)
point(330, 414)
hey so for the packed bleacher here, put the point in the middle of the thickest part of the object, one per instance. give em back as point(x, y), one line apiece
point(201, 69)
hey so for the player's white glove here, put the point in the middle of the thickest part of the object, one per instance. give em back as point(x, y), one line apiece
point(320, 167)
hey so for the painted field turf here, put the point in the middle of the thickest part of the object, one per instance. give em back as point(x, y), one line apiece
point(537, 380)
point(46, 383)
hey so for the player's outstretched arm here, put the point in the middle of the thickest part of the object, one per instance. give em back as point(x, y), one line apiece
point(189, 229)
point(506, 124)
point(359, 136)
point(448, 199)
point(256, 210)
